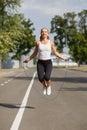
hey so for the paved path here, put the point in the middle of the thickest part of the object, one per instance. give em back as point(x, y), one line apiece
point(23, 104)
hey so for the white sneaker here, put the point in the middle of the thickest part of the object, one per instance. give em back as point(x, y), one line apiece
point(44, 90)
point(49, 90)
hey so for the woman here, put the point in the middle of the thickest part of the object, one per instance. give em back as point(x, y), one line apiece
point(44, 47)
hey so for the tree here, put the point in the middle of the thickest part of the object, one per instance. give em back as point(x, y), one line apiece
point(10, 32)
point(82, 24)
point(26, 39)
point(56, 24)
point(16, 33)
point(79, 50)
point(6, 8)
point(75, 27)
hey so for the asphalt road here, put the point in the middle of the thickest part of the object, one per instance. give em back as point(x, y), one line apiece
point(24, 107)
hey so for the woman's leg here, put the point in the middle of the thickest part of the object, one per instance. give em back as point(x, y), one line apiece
point(48, 83)
point(40, 72)
point(48, 70)
point(44, 69)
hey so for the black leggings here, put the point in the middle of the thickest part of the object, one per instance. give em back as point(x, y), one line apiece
point(44, 68)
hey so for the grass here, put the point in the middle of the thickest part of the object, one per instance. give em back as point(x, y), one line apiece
point(80, 68)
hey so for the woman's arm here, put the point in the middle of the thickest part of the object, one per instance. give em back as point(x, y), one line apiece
point(33, 54)
point(56, 52)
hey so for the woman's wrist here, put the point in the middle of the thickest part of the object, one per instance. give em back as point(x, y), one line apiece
point(28, 59)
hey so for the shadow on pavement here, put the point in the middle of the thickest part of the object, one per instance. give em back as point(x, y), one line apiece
point(70, 79)
point(74, 89)
point(13, 106)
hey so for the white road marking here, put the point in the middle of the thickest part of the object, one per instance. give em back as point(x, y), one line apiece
point(2, 84)
point(9, 80)
point(19, 115)
point(6, 82)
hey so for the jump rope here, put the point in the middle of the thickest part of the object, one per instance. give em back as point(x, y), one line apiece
point(53, 96)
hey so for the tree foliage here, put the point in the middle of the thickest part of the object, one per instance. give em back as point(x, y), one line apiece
point(26, 39)
point(71, 29)
point(16, 33)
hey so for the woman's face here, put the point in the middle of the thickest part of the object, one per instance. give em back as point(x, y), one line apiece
point(44, 33)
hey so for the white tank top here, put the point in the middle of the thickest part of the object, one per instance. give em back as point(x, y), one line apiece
point(44, 51)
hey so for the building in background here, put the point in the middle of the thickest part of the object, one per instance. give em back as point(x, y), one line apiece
point(11, 63)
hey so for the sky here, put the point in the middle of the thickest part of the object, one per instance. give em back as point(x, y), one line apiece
point(41, 12)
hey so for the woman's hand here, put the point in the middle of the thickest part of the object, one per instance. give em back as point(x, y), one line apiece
point(26, 61)
point(65, 59)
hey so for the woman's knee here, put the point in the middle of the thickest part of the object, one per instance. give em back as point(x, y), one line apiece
point(41, 79)
point(47, 78)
